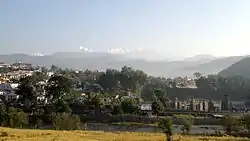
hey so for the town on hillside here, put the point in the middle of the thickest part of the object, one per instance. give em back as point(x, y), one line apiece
point(11, 74)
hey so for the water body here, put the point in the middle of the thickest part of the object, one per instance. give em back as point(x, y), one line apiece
point(195, 129)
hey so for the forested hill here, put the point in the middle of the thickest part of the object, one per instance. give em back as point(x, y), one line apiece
point(240, 68)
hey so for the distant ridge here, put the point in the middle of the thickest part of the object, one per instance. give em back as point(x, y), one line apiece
point(102, 61)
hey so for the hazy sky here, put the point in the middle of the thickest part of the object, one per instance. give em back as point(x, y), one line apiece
point(170, 27)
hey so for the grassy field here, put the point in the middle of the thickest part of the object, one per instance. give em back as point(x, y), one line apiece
point(7, 134)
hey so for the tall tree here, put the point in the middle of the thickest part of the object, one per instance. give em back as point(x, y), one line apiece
point(157, 107)
point(27, 91)
point(58, 87)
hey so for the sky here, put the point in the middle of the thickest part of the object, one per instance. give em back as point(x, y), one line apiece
point(169, 28)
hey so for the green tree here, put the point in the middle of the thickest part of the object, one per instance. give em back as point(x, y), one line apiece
point(17, 118)
point(130, 106)
point(62, 107)
point(157, 107)
point(117, 110)
point(95, 100)
point(246, 121)
point(3, 115)
point(151, 84)
point(187, 123)
point(230, 123)
point(27, 92)
point(58, 87)
point(166, 124)
point(160, 95)
point(54, 68)
point(40, 76)
point(65, 121)
point(109, 80)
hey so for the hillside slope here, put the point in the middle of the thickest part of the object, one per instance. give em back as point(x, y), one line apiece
point(241, 68)
point(217, 65)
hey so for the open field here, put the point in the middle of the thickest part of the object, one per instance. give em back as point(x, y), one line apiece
point(7, 134)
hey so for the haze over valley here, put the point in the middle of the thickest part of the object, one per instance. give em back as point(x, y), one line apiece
point(205, 64)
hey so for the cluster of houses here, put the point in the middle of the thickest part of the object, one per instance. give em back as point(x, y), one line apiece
point(9, 79)
point(16, 71)
point(203, 105)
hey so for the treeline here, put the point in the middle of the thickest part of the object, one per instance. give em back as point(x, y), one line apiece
point(136, 81)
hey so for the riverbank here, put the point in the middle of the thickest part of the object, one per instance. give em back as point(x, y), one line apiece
point(8, 134)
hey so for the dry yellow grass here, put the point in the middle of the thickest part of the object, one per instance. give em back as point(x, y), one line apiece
point(7, 134)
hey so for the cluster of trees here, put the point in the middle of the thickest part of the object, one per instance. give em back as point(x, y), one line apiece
point(65, 88)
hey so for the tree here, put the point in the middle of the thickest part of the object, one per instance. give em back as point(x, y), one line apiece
point(95, 100)
point(166, 124)
point(129, 106)
point(3, 115)
point(58, 87)
point(65, 121)
point(17, 118)
point(246, 120)
point(109, 80)
point(153, 83)
point(27, 91)
point(157, 107)
point(54, 68)
point(117, 110)
point(230, 124)
point(160, 95)
point(39, 76)
point(62, 107)
point(187, 122)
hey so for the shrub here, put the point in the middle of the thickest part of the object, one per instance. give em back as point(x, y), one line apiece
point(230, 124)
point(166, 124)
point(246, 121)
point(186, 126)
point(65, 121)
point(35, 121)
point(117, 110)
point(17, 118)
point(157, 107)
point(3, 116)
point(130, 106)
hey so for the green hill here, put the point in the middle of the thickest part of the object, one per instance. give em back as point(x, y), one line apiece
point(241, 68)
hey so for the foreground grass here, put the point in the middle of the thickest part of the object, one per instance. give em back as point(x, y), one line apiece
point(7, 134)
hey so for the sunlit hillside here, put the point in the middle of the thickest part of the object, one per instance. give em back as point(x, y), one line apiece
point(7, 134)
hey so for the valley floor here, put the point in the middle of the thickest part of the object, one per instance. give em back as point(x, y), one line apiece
point(7, 134)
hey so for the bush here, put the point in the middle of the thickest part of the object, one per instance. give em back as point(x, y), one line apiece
point(186, 126)
point(246, 121)
point(117, 110)
point(3, 116)
point(17, 118)
point(157, 107)
point(65, 121)
point(35, 121)
point(230, 124)
point(130, 106)
point(166, 124)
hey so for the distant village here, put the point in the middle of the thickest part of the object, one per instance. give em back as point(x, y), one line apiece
point(9, 83)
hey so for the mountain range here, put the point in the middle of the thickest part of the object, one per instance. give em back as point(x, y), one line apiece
point(205, 64)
